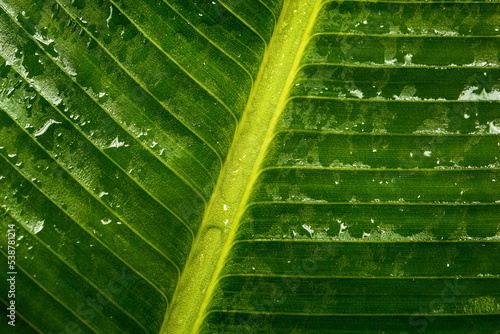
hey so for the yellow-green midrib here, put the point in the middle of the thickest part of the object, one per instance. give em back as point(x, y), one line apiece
point(241, 168)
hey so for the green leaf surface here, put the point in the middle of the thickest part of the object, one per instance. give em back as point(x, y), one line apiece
point(256, 166)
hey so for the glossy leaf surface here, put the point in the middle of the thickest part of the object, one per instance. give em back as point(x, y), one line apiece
point(257, 166)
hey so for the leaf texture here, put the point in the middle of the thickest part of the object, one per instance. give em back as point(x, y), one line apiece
point(256, 166)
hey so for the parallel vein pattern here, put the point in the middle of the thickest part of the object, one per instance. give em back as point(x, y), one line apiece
point(115, 120)
point(317, 166)
point(377, 206)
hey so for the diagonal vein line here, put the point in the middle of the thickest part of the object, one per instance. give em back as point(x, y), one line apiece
point(412, 170)
point(337, 242)
point(98, 199)
point(50, 294)
point(338, 33)
point(354, 277)
point(256, 203)
point(79, 274)
point(305, 80)
point(269, 9)
point(125, 129)
point(184, 223)
point(101, 151)
point(178, 65)
point(382, 134)
point(323, 186)
point(245, 23)
point(117, 122)
point(213, 43)
point(128, 132)
point(136, 80)
point(338, 315)
point(340, 169)
point(302, 314)
point(390, 66)
point(251, 220)
point(270, 275)
point(22, 317)
point(413, 2)
point(361, 241)
point(313, 97)
point(66, 213)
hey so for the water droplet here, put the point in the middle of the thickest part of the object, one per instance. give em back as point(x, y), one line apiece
point(408, 58)
point(116, 143)
point(45, 127)
point(36, 227)
point(309, 229)
point(110, 15)
point(493, 128)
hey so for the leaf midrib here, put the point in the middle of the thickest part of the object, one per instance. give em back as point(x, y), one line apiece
point(241, 169)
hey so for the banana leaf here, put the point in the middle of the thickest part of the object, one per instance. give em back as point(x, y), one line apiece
point(250, 166)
